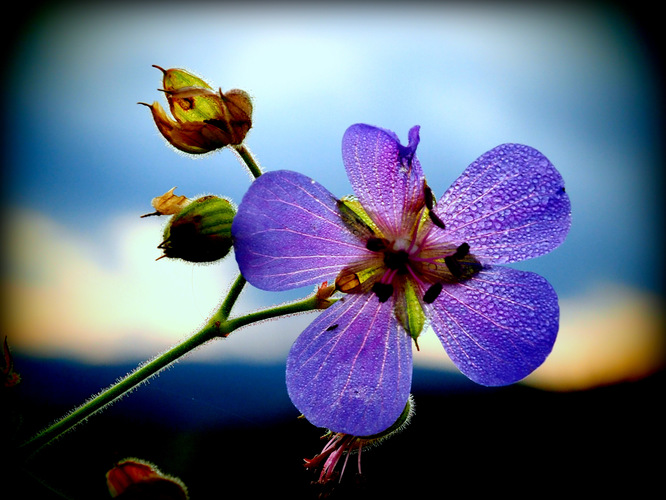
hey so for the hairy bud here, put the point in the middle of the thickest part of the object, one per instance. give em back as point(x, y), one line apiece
point(200, 232)
point(203, 119)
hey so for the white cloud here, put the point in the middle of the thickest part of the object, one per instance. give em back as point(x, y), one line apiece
point(63, 298)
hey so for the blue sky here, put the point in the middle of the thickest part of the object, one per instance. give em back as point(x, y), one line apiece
point(84, 160)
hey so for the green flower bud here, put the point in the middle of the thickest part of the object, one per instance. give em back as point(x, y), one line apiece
point(201, 231)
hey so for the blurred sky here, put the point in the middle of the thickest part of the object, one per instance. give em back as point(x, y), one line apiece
point(83, 160)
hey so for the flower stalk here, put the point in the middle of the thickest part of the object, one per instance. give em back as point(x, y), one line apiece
point(218, 326)
point(248, 158)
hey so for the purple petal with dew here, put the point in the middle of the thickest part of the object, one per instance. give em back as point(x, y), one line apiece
point(350, 371)
point(386, 176)
point(498, 326)
point(509, 205)
point(288, 233)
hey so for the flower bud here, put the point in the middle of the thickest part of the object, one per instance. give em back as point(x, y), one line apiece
point(9, 377)
point(203, 119)
point(136, 479)
point(200, 232)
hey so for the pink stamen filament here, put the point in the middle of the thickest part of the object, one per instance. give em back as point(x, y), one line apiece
point(416, 278)
point(344, 466)
point(388, 276)
point(416, 230)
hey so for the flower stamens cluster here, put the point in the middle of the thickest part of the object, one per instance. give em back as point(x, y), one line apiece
point(340, 444)
point(404, 263)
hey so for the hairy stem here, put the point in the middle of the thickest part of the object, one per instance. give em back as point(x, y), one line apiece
point(219, 326)
point(248, 158)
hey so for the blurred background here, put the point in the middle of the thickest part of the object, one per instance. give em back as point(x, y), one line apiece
point(84, 299)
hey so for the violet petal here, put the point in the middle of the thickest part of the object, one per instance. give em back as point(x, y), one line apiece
point(288, 233)
point(386, 176)
point(498, 326)
point(509, 205)
point(350, 370)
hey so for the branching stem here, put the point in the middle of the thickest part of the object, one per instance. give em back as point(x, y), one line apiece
point(219, 326)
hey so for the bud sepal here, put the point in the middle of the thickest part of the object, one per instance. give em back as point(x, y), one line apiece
point(201, 231)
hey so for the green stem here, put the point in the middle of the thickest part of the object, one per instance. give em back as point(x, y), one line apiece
point(115, 392)
point(308, 304)
point(218, 326)
point(233, 293)
point(248, 158)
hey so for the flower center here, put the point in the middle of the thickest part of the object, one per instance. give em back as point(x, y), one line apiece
point(407, 261)
point(396, 261)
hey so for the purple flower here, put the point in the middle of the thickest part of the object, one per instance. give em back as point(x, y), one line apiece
point(402, 260)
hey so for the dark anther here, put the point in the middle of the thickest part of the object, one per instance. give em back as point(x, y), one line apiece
point(427, 192)
point(432, 293)
point(383, 291)
point(461, 251)
point(436, 220)
point(376, 244)
point(454, 266)
point(332, 327)
point(396, 260)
